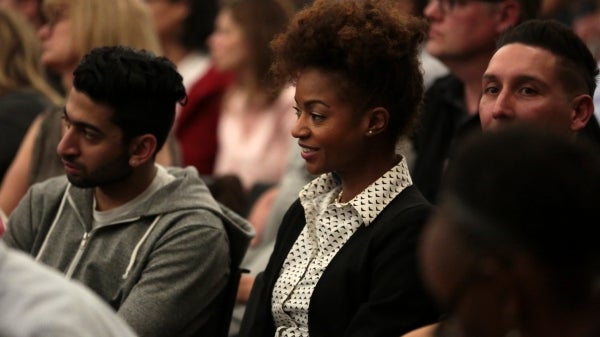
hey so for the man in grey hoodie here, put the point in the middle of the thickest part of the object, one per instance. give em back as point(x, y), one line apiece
point(151, 241)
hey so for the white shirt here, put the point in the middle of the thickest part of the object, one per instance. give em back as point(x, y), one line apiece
point(329, 225)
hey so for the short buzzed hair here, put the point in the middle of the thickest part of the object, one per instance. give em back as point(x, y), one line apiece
point(577, 69)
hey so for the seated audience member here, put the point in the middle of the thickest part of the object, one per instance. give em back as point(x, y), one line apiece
point(462, 35)
point(38, 301)
point(73, 28)
point(549, 87)
point(552, 85)
point(24, 90)
point(30, 9)
point(513, 250)
point(256, 117)
point(151, 241)
point(183, 27)
point(344, 261)
point(268, 210)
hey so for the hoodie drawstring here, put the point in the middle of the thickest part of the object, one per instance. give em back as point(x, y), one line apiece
point(137, 247)
point(60, 209)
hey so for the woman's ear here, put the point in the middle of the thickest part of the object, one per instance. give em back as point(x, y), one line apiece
point(377, 120)
point(142, 149)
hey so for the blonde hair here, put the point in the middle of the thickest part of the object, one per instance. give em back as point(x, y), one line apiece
point(98, 23)
point(20, 65)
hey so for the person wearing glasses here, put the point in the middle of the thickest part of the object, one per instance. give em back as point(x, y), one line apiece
point(551, 87)
point(462, 35)
point(513, 249)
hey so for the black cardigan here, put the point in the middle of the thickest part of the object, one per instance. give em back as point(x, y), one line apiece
point(370, 288)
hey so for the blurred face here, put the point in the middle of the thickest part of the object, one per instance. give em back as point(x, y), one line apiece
point(30, 9)
point(58, 53)
point(526, 91)
point(91, 148)
point(329, 131)
point(228, 45)
point(462, 31)
point(168, 17)
point(454, 276)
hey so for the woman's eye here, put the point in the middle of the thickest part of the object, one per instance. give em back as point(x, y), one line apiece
point(316, 117)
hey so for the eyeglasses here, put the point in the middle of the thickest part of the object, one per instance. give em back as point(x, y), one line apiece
point(447, 6)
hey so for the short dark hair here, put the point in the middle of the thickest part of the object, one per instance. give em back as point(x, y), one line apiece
point(371, 47)
point(577, 69)
point(142, 88)
point(538, 192)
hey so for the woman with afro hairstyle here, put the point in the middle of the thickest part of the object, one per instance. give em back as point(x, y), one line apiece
point(344, 262)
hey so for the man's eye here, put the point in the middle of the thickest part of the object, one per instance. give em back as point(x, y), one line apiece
point(527, 91)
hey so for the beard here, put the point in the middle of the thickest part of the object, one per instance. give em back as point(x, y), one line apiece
point(109, 173)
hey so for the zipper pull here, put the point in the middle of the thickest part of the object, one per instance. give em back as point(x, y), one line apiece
point(84, 240)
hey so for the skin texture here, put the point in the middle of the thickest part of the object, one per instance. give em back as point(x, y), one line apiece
point(334, 137)
point(527, 91)
point(92, 147)
point(464, 39)
point(461, 33)
point(328, 130)
point(94, 154)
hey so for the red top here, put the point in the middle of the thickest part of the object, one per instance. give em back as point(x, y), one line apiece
point(196, 128)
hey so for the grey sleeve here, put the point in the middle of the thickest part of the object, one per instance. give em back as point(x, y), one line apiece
point(19, 228)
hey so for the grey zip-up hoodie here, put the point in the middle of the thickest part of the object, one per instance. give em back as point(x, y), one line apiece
point(163, 267)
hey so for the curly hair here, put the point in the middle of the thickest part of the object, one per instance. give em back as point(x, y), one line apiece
point(372, 48)
point(141, 88)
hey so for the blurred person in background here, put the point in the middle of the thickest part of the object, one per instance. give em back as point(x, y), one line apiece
point(24, 90)
point(183, 28)
point(513, 250)
point(73, 28)
point(256, 117)
point(30, 9)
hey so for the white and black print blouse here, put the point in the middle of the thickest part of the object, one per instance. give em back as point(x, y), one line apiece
point(329, 225)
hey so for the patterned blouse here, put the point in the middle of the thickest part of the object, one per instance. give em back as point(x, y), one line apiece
point(329, 224)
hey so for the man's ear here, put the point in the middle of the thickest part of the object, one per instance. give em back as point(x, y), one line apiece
point(508, 15)
point(142, 149)
point(582, 109)
point(377, 120)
